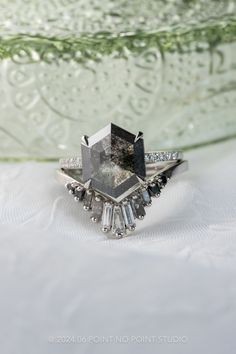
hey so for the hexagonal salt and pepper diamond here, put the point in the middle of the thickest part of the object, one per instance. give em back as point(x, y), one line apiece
point(112, 160)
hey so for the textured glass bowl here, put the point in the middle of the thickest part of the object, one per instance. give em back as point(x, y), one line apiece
point(67, 68)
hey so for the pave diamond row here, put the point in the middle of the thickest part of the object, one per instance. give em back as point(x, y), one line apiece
point(70, 162)
point(158, 156)
point(118, 218)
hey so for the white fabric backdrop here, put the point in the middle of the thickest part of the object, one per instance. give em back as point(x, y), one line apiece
point(174, 277)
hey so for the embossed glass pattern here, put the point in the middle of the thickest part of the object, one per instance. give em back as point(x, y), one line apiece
point(69, 67)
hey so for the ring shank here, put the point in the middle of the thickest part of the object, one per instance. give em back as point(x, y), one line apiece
point(151, 158)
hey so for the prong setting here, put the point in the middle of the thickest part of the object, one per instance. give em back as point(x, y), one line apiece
point(138, 136)
point(141, 217)
point(94, 219)
point(85, 140)
point(119, 234)
point(105, 230)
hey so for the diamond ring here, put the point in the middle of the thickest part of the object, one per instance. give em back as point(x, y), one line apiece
point(115, 179)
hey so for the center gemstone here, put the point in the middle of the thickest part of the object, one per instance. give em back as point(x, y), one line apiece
point(112, 160)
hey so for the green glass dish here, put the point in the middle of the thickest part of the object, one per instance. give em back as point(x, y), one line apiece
point(67, 68)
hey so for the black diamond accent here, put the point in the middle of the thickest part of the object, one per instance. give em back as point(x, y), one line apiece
point(154, 189)
point(97, 207)
point(79, 193)
point(168, 173)
point(163, 179)
point(71, 188)
point(138, 207)
point(146, 197)
point(88, 199)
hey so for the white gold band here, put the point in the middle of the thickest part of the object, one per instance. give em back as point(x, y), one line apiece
point(153, 157)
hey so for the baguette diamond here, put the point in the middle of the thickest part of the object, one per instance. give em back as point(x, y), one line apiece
point(128, 215)
point(97, 207)
point(146, 197)
point(88, 199)
point(118, 224)
point(138, 207)
point(107, 217)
